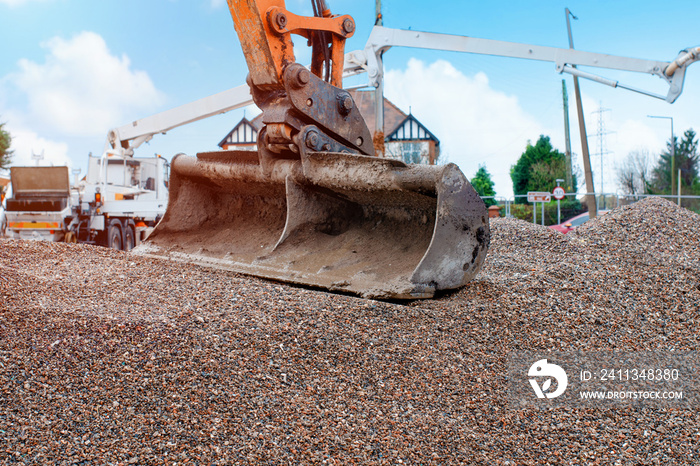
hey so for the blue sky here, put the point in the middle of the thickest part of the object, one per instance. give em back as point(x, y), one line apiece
point(70, 70)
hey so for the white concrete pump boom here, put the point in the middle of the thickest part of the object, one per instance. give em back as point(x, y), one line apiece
point(382, 39)
point(125, 139)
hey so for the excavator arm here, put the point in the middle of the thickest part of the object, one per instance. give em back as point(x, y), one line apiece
point(264, 28)
point(292, 97)
point(312, 205)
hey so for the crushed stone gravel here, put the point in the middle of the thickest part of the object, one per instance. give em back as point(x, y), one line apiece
point(111, 358)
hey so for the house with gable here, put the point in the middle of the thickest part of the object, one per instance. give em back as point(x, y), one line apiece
point(405, 138)
point(243, 136)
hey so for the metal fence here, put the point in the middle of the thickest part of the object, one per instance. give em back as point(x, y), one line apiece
point(555, 212)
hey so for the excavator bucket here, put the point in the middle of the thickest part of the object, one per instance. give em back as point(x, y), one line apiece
point(370, 226)
point(313, 206)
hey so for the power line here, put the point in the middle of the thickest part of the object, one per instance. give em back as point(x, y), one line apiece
point(601, 143)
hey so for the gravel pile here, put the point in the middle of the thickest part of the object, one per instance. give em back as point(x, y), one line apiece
point(109, 358)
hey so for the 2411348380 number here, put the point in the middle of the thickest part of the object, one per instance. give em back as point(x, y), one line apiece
point(649, 374)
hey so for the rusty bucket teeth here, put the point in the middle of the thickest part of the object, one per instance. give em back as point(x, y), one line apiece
point(374, 227)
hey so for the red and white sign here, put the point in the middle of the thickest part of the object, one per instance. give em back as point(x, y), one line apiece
point(537, 196)
point(559, 193)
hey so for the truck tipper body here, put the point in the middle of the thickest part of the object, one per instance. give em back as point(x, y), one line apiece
point(115, 205)
point(40, 206)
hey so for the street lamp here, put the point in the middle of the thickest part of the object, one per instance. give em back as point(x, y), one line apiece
point(559, 181)
point(38, 157)
point(76, 173)
point(673, 158)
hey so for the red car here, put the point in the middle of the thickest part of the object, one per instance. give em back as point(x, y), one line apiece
point(574, 222)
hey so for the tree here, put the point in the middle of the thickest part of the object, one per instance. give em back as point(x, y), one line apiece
point(686, 160)
point(633, 176)
point(483, 184)
point(538, 168)
point(5, 143)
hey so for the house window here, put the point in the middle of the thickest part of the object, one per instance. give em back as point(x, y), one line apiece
point(408, 152)
point(411, 152)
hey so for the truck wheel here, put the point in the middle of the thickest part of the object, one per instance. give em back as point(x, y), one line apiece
point(114, 236)
point(70, 237)
point(129, 238)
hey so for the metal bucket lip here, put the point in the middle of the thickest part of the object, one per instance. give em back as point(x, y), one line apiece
point(306, 249)
point(368, 290)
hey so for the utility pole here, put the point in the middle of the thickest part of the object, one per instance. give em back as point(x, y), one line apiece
point(379, 95)
point(567, 138)
point(673, 158)
point(559, 181)
point(590, 187)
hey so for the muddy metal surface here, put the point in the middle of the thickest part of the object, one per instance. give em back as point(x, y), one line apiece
point(373, 227)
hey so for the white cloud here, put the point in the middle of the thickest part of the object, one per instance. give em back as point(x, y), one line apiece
point(475, 123)
point(82, 89)
point(634, 135)
point(217, 3)
point(25, 143)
